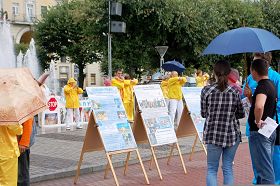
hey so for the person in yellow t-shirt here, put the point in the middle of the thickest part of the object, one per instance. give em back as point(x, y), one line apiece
point(128, 98)
point(201, 79)
point(71, 92)
point(175, 95)
point(164, 88)
point(118, 81)
point(9, 153)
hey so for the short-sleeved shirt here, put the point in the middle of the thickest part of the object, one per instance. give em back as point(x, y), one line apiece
point(222, 109)
point(266, 87)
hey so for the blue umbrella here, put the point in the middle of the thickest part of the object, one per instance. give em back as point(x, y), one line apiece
point(173, 66)
point(243, 40)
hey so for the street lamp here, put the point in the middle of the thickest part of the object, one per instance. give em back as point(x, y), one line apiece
point(109, 42)
point(161, 51)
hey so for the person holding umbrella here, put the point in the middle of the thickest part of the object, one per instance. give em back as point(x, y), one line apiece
point(175, 95)
point(72, 91)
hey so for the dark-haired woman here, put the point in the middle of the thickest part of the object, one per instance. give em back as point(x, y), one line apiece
point(221, 106)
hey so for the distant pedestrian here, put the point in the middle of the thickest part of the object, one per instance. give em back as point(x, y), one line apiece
point(201, 79)
point(164, 88)
point(222, 107)
point(263, 106)
point(175, 96)
point(118, 81)
point(128, 98)
point(71, 92)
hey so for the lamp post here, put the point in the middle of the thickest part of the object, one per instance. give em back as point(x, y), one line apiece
point(109, 42)
point(161, 51)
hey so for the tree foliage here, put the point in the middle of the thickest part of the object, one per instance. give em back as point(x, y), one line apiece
point(76, 29)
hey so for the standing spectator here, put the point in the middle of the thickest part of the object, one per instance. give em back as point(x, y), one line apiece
point(221, 106)
point(71, 92)
point(24, 148)
point(249, 89)
point(263, 106)
point(118, 81)
point(233, 78)
point(107, 81)
point(128, 98)
point(175, 96)
point(9, 153)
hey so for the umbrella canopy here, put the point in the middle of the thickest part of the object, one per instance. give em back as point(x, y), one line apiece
point(243, 40)
point(20, 96)
point(173, 66)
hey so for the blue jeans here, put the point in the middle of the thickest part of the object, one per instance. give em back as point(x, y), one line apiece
point(213, 158)
point(261, 149)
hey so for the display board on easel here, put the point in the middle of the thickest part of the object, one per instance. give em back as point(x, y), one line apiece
point(152, 123)
point(108, 128)
point(191, 122)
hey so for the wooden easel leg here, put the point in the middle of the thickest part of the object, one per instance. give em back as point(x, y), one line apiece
point(181, 157)
point(203, 146)
point(142, 166)
point(106, 170)
point(171, 153)
point(195, 141)
point(78, 168)
point(112, 169)
point(126, 163)
point(155, 159)
point(151, 163)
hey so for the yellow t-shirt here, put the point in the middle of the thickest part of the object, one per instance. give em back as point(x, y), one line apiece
point(200, 81)
point(175, 87)
point(164, 88)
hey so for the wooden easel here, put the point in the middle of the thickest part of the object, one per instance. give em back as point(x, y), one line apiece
point(186, 128)
point(140, 134)
point(93, 142)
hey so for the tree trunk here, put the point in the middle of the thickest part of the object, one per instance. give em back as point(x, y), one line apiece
point(81, 75)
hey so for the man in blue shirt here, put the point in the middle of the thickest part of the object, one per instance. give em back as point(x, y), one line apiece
point(275, 78)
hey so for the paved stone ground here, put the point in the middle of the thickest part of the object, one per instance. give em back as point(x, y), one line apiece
point(172, 174)
point(55, 155)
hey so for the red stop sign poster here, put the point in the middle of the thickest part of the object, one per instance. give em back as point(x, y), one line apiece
point(52, 104)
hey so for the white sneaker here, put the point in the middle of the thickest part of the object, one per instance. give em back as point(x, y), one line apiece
point(68, 128)
point(79, 127)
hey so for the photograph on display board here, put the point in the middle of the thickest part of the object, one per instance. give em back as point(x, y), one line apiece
point(150, 98)
point(160, 129)
point(192, 99)
point(51, 118)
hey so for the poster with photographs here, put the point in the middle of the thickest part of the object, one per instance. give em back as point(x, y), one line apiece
point(160, 129)
point(51, 117)
point(111, 118)
point(85, 109)
point(192, 98)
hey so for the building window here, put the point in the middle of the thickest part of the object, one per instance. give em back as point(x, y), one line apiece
point(92, 79)
point(29, 11)
point(15, 8)
point(44, 10)
point(64, 69)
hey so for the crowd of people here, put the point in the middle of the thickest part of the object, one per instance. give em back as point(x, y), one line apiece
point(221, 105)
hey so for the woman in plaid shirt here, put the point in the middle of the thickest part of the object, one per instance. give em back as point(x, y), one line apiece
point(221, 106)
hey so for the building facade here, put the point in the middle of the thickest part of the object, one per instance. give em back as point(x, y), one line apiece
point(22, 14)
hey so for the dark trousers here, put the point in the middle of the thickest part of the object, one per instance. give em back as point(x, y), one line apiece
point(23, 169)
